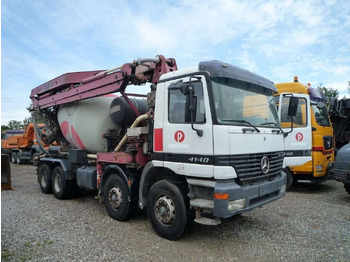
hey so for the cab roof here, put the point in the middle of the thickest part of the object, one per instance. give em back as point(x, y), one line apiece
point(292, 87)
point(221, 69)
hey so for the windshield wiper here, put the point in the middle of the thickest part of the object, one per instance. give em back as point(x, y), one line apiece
point(246, 122)
point(272, 123)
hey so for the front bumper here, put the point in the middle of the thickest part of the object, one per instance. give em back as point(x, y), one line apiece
point(252, 196)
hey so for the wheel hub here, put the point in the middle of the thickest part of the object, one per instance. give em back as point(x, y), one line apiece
point(115, 197)
point(165, 210)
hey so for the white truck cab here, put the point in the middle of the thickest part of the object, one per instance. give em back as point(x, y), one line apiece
point(217, 125)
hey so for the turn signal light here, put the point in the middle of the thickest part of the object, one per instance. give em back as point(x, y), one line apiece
point(222, 196)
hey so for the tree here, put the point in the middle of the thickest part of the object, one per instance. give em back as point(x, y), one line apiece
point(40, 119)
point(14, 124)
point(4, 127)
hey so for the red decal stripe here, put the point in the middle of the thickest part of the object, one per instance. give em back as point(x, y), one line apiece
point(321, 149)
point(158, 139)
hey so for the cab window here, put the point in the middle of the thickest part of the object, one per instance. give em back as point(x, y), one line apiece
point(300, 119)
point(321, 116)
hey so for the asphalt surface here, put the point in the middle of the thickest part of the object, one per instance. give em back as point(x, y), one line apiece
point(311, 223)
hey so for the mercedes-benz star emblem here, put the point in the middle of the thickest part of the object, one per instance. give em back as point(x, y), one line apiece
point(265, 165)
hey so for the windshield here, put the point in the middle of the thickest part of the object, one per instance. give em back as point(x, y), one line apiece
point(238, 102)
point(7, 135)
point(321, 116)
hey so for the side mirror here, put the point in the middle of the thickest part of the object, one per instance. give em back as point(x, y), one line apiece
point(191, 108)
point(293, 106)
point(320, 105)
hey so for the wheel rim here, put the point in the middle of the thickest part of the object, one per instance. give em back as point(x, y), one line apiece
point(115, 197)
point(43, 178)
point(164, 209)
point(57, 183)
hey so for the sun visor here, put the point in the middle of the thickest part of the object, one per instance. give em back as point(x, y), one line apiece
point(220, 69)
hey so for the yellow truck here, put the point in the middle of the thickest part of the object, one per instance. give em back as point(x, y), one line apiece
point(322, 153)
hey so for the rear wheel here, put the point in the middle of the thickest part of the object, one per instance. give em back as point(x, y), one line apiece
point(116, 197)
point(19, 160)
point(61, 187)
point(13, 158)
point(45, 178)
point(168, 209)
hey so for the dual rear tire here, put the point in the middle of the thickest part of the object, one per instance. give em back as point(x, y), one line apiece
point(53, 181)
point(13, 157)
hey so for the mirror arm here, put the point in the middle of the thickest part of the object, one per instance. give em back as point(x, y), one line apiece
point(198, 131)
point(285, 134)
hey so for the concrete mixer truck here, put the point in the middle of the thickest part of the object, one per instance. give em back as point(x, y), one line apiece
point(204, 144)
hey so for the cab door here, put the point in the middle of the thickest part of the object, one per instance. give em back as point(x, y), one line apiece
point(297, 128)
point(187, 145)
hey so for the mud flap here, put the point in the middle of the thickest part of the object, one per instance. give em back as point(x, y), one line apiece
point(5, 173)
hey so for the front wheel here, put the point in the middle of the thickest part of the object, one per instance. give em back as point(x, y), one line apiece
point(168, 209)
point(116, 196)
point(347, 188)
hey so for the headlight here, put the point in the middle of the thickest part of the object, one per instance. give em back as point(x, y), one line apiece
point(237, 204)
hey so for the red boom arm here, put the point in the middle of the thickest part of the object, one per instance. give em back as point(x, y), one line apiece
point(76, 86)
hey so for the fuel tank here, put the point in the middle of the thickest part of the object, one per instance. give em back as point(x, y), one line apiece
point(84, 123)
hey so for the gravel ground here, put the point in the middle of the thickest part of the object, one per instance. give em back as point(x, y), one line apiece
point(311, 223)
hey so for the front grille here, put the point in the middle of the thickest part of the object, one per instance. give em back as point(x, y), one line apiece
point(248, 167)
point(328, 142)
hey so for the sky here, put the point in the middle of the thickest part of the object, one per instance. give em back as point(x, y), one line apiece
point(42, 39)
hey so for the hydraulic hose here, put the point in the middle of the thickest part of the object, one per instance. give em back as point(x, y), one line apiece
point(38, 135)
point(135, 124)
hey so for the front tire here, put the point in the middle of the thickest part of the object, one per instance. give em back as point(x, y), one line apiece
point(45, 178)
point(116, 196)
point(347, 188)
point(168, 209)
